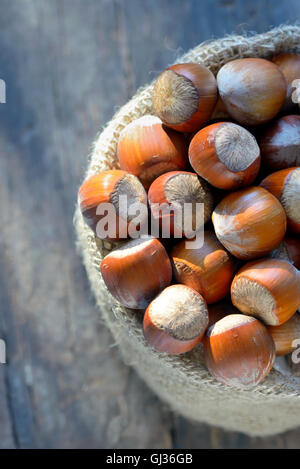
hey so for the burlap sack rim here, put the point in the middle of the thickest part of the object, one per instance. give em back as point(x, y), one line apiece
point(122, 321)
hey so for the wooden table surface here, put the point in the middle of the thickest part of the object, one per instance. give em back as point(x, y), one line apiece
point(68, 65)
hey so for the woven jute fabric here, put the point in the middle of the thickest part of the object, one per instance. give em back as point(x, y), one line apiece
point(183, 381)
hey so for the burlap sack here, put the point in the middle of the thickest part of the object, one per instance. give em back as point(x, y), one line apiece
point(183, 381)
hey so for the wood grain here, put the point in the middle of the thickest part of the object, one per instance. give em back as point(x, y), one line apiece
point(68, 65)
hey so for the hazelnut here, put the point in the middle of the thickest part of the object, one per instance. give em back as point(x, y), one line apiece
point(109, 187)
point(280, 143)
point(285, 186)
point(268, 289)
point(137, 271)
point(250, 223)
point(226, 155)
point(148, 149)
point(184, 96)
point(253, 90)
point(285, 334)
point(176, 320)
point(174, 189)
point(209, 270)
point(239, 351)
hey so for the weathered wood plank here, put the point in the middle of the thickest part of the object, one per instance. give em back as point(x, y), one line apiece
point(68, 64)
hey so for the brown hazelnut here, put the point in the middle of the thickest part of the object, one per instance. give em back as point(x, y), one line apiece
point(184, 96)
point(252, 89)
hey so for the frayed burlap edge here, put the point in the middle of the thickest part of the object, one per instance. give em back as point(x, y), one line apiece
point(183, 381)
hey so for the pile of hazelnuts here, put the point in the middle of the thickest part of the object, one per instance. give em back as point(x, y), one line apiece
point(232, 143)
